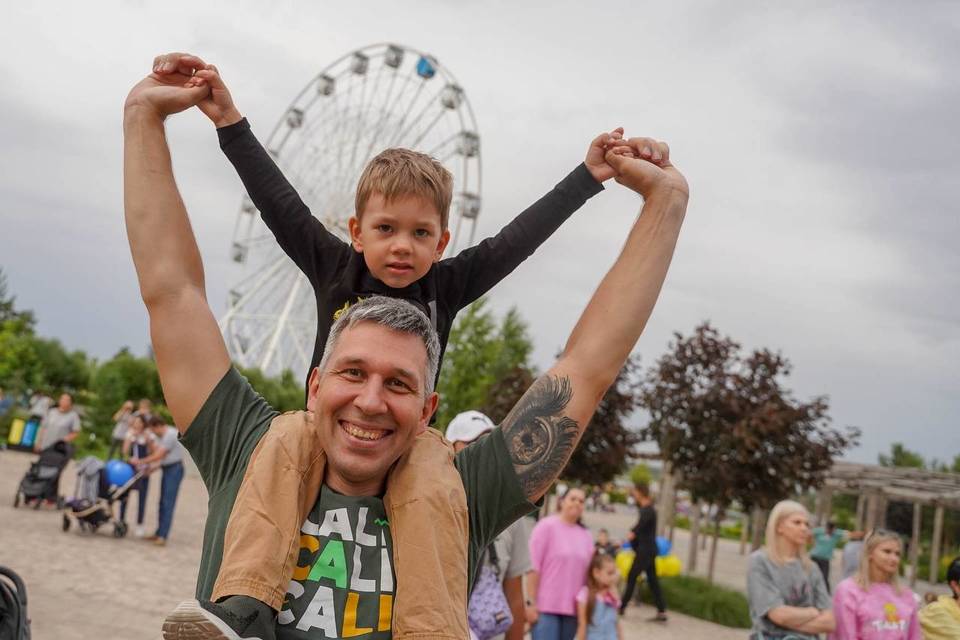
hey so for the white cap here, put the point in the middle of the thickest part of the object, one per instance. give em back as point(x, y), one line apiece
point(468, 426)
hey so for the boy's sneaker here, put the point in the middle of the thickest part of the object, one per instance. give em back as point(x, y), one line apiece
point(236, 618)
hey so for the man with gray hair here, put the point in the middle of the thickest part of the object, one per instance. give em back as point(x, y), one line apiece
point(380, 529)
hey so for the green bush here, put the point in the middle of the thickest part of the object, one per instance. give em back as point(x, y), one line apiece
point(700, 599)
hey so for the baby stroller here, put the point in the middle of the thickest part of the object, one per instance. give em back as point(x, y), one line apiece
point(14, 622)
point(94, 497)
point(43, 477)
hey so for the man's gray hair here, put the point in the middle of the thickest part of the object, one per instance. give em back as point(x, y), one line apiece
point(399, 315)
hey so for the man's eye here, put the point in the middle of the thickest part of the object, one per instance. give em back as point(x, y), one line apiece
point(399, 384)
point(351, 373)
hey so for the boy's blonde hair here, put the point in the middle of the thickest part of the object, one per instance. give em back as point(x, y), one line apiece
point(398, 173)
point(874, 539)
point(781, 511)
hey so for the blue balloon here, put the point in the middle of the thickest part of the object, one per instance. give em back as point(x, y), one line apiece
point(663, 546)
point(118, 472)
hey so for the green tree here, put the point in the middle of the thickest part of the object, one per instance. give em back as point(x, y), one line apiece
point(122, 377)
point(480, 353)
point(900, 456)
point(607, 443)
point(19, 363)
point(8, 310)
point(640, 474)
point(283, 393)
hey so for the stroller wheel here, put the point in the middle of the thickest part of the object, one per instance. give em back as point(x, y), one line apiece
point(119, 529)
point(66, 523)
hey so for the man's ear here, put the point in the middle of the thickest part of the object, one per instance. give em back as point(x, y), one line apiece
point(430, 405)
point(313, 389)
point(354, 224)
point(442, 245)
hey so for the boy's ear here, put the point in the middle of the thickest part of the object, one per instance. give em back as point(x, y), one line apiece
point(355, 239)
point(442, 245)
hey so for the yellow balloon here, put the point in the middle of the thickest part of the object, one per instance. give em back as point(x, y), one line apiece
point(668, 566)
point(624, 562)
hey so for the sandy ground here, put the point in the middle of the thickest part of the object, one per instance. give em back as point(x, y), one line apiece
point(96, 586)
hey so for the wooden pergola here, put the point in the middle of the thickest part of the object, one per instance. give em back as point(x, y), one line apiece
point(876, 486)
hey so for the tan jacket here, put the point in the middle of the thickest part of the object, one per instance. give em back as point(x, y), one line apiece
point(426, 505)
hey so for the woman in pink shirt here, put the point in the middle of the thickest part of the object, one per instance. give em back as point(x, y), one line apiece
point(872, 605)
point(560, 550)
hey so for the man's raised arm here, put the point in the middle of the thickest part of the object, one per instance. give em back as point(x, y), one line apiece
point(544, 427)
point(190, 352)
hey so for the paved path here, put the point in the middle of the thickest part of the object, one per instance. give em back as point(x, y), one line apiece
point(95, 586)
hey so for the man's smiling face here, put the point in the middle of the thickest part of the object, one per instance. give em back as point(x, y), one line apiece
point(369, 404)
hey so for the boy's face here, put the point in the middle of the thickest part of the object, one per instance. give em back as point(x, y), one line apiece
point(399, 240)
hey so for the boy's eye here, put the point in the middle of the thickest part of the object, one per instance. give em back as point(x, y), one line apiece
point(421, 233)
point(384, 228)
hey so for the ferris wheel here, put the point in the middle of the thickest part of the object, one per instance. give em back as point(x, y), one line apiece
point(379, 96)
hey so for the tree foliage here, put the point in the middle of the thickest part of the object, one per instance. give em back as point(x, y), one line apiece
point(900, 456)
point(730, 427)
point(283, 393)
point(481, 354)
point(608, 442)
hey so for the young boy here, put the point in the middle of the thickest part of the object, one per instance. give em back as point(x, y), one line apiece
point(398, 235)
point(399, 229)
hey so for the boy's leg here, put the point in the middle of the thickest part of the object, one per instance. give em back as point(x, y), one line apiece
point(286, 466)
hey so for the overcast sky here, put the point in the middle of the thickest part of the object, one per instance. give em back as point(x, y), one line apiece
point(819, 139)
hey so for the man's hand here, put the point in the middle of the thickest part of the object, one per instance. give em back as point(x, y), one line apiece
point(596, 155)
point(643, 164)
point(168, 89)
point(218, 105)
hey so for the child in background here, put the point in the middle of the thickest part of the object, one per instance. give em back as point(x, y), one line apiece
point(598, 602)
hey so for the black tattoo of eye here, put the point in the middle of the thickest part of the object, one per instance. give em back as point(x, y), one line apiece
point(539, 437)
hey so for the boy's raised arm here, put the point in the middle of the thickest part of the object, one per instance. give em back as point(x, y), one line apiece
point(543, 428)
point(303, 237)
point(190, 352)
point(478, 269)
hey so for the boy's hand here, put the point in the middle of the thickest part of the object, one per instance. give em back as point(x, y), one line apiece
point(596, 161)
point(643, 164)
point(218, 106)
point(166, 91)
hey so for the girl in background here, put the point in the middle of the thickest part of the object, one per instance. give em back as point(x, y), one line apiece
point(872, 605)
point(598, 602)
point(137, 444)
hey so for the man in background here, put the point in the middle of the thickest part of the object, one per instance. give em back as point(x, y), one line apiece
point(512, 547)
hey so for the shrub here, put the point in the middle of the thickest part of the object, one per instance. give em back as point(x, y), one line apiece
point(700, 599)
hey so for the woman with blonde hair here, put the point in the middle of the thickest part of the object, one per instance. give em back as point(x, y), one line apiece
point(787, 594)
point(871, 605)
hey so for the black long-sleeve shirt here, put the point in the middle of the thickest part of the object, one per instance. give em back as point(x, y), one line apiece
point(339, 274)
point(645, 532)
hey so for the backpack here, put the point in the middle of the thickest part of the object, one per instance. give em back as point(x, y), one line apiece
point(14, 623)
point(488, 611)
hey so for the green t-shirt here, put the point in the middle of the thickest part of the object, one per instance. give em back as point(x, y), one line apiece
point(350, 585)
point(824, 543)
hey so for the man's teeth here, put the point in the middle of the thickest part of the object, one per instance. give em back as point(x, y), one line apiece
point(363, 434)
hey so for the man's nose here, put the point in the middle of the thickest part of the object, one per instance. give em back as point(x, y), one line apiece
point(371, 400)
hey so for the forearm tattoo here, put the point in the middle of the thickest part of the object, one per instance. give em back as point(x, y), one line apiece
point(539, 437)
